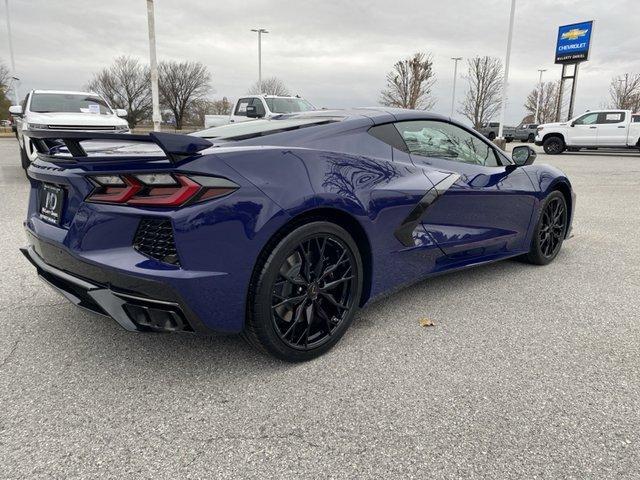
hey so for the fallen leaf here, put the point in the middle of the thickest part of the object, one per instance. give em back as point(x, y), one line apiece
point(425, 322)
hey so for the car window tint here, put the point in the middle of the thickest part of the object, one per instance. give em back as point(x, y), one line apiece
point(431, 138)
point(611, 117)
point(241, 108)
point(256, 102)
point(588, 119)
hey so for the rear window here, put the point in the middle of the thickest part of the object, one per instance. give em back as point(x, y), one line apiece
point(262, 127)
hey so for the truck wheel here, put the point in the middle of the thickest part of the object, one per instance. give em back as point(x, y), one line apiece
point(508, 139)
point(491, 136)
point(531, 138)
point(553, 146)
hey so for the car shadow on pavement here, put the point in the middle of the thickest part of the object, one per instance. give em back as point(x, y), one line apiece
point(98, 343)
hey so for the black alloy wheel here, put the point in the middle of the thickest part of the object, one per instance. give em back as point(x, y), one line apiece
point(550, 230)
point(307, 293)
point(553, 146)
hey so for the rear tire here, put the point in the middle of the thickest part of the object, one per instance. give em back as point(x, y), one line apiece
point(491, 136)
point(299, 306)
point(550, 230)
point(553, 145)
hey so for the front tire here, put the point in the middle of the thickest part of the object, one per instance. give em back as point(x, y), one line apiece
point(553, 145)
point(531, 138)
point(304, 293)
point(550, 230)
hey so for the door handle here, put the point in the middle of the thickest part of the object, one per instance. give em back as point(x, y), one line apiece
point(593, 128)
point(621, 126)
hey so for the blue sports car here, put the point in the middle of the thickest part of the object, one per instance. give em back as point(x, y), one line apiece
point(280, 229)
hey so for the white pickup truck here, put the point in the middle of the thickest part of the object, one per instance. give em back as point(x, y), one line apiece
point(259, 106)
point(592, 130)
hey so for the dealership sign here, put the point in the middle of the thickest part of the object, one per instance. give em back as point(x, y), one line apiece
point(573, 42)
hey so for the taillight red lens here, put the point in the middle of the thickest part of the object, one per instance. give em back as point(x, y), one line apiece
point(158, 190)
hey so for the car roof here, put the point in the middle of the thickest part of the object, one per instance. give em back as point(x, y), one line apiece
point(64, 92)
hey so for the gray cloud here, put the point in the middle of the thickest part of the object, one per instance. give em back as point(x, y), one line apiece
point(336, 53)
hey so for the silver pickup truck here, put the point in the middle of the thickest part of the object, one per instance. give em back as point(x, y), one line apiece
point(490, 130)
point(525, 132)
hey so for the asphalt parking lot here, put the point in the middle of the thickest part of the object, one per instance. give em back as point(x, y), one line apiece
point(529, 372)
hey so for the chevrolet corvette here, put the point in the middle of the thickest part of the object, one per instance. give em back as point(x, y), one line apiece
point(280, 229)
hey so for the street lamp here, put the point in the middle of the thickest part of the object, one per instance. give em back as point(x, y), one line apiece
point(507, 59)
point(538, 99)
point(13, 63)
point(455, 75)
point(153, 66)
point(259, 31)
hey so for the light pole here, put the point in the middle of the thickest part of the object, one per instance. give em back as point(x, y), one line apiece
point(259, 31)
point(13, 63)
point(455, 76)
point(507, 59)
point(538, 99)
point(153, 64)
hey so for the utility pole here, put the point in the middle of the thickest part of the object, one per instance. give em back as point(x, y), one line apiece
point(153, 64)
point(15, 79)
point(507, 59)
point(455, 75)
point(538, 100)
point(259, 31)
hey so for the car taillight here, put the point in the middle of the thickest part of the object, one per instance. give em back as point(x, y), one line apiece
point(158, 189)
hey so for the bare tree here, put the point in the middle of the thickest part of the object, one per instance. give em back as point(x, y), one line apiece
point(180, 84)
point(549, 97)
point(5, 76)
point(197, 110)
point(484, 93)
point(270, 86)
point(5, 102)
point(125, 84)
point(221, 107)
point(410, 83)
point(624, 91)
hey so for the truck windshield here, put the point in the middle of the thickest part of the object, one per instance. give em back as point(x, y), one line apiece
point(288, 105)
point(68, 103)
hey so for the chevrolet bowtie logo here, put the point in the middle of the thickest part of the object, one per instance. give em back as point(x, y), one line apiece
point(574, 34)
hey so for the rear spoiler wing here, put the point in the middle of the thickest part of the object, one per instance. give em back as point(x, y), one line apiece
point(175, 146)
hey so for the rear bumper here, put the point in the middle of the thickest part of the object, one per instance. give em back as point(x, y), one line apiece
point(127, 303)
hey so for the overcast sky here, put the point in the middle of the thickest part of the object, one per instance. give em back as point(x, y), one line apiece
point(333, 52)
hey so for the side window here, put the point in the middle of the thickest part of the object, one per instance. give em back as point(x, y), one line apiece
point(431, 138)
point(256, 102)
point(588, 119)
point(611, 117)
point(241, 108)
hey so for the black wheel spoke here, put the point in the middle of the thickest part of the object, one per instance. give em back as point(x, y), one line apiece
point(286, 301)
point(552, 226)
point(333, 301)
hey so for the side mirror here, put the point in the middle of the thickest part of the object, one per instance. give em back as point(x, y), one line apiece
point(572, 124)
point(15, 110)
point(252, 112)
point(121, 112)
point(523, 155)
